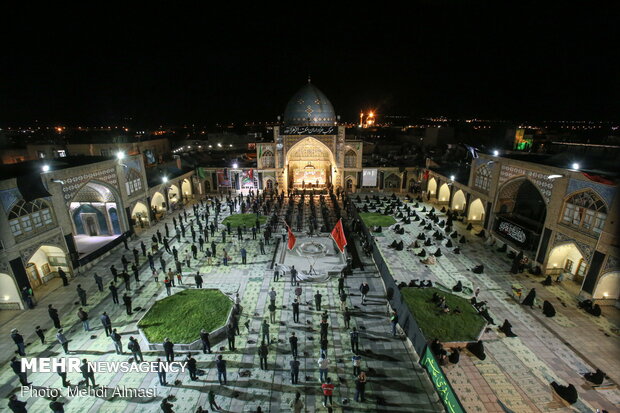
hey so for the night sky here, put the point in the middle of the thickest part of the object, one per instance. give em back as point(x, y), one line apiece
point(242, 64)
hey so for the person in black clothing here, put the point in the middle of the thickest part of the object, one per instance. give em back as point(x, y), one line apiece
point(127, 302)
point(529, 299)
point(143, 248)
point(317, 300)
point(596, 377)
point(114, 291)
point(87, 373)
point(166, 406)
point(134, 270)
point(16, 405)
point(16, 365)
point(99, 282)
point(81, 294)
point(192, 367)
point(206, 345)
point(169, 350)
point(263, 352)
point(295, 306)
point(506, 328)
point(548, 309)
point(293, 342)
point(198, 279)
point(114, 272)
point(347, 317)
point(568, 393)
point(63, 277)
point(294, 370)
point(40, 333)
point(355, 340)
point(127, 280)
point(63, 376)
point(54, 316)
point(341, 285)
point(107, 323)
point(56, 406)
point(230, 334)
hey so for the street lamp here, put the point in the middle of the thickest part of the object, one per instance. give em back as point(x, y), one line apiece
point(575, 166)
point(45, 168)
point(120, 155)
point(164, 179)
point(496, 153)
point(235, 166)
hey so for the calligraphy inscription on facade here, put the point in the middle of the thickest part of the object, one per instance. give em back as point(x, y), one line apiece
point(512, 231)
point(544, 185)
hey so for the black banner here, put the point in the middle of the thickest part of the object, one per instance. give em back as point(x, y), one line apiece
point(309, 130)
point(512, 231)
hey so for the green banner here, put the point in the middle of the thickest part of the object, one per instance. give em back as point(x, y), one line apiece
point(446, 394)
point(200, 172)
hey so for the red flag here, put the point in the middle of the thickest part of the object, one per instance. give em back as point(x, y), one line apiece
point(338, 236)
point(425, 175)
point(291, 238)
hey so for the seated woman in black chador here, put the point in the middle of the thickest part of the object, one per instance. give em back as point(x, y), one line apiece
point(477, 349)
point(449, 244)
point(437, 253)
point(454, 234)
point(429, 283)
point(597, 377)
point(454, 355)
point(529, 298)
point(506, 328)
point(503, 248)
point(478, 269)
point(485, 314)
point(548, 309)
point(462, 240)
point(437, 349)
point(421, 236)
point(457, 250)
point(568, 393)
point(436, 297)
point(458, 287)
point(421, 253)
point(548, 281)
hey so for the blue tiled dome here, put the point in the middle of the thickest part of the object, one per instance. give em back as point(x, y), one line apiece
point(309, 106)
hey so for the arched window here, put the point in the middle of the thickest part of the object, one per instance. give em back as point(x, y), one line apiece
point(586, 211)
point(268, 160)
point(26, 217)
point(483, 178)
point(350, 159)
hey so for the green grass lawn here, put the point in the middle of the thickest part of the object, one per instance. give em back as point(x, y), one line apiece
point(372, 219)
point(239, 220)
point(182, 315)
point(446, 327)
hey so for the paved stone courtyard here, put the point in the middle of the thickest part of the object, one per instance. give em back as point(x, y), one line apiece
point(396, 382)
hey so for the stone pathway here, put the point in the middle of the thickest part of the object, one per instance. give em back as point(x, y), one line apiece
point(396, 382)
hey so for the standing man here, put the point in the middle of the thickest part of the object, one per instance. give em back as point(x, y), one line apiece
point(161, 372)
point(54, 315)
point(347, 317)
point(265, 331)
point(127, 302)
point(324, 326)
point(198, 279)
point(343, 301)
point(357, 364)
point(169, 350)
point(276, 273)
point(192, 367)
point(355, 341)
point(135, 349)
point(230, 334)
point(272, 295)
point(114, 272)
point(294, 370)
point(295, 306)
point(136, 274)
point(114, 291)
point(263, 352)
point(328, 391)
point(341, 284)
point(394, 321)
point(317, 300)
point(298, 292)
point(293, 275)
point(99, 282)
point(244, 254)
point(206, 345)
point(272, 312)
point(83, 316)
point(261, 246)
point(293, 342)
point(60, 336)
point(40, 333)
point(87, 373)
point(107, 323)
point(16, 405)
point(19, 342)
point(364, 289)
point(323, 363)
point(220, 364)
point(63, 277)
point(81, 294)
point(117, 340)
point(16, 365)
point(212, 404)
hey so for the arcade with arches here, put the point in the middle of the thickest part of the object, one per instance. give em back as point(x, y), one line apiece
point(459, 201)
point(43, 265)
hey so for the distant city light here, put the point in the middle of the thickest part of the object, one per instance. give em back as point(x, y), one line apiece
point(575, 166)
point(45, 168)
point(120, 155)
point(219, 145)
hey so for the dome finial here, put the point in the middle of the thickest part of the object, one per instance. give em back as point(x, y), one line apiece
point(309, 79)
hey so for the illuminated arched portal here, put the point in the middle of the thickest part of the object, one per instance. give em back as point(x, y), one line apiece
point(432, 186)
point(476, 211)
point(444, 193)
point(458, 200)
point(310, 164)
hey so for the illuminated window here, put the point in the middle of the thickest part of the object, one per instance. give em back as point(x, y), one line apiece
point(134, 182)
point(483, 178)
point(26, 217)
point(586, 211)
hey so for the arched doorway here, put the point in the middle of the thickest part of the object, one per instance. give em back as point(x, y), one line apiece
point(520, 213)
point(173, 195)
point(431, 189)
point(392, 182)
point(43, 265)
point(158, 202)
point(608, 287)
point(186, 188)
point(349, 184)
point(269, 184)
point(207, 186)
point(444, 193)
point(309, 164)
point(95, 217)
point(9, 294)
point(476, 211)
point(140, 214)
point(458, 200)
point(567, 259)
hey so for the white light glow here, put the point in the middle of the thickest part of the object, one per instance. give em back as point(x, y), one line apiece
point(120, 155)
point(575, 166)
point(164, 179)
point(495, 153)
point(45, 168)
point(235, 166)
